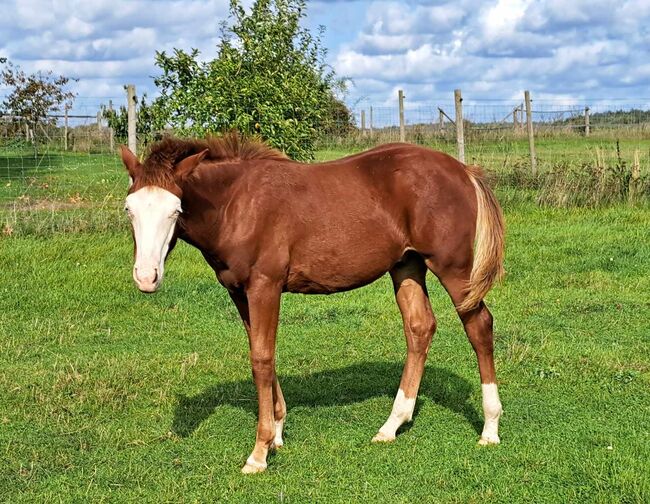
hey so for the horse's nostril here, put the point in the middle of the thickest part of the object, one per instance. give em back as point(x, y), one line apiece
point(155, 275)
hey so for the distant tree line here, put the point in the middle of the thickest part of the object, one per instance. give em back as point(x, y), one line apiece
point(632, 116)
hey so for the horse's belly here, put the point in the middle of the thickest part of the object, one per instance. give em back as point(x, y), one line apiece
point(332, 270)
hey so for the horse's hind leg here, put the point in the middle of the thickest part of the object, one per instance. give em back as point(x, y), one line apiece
point(478, 326)
point(419, 326)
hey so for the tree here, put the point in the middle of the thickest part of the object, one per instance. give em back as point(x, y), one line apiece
point(269, 78)
point(35, 96)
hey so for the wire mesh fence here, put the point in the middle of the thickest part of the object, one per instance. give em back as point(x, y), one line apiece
point(68, 165)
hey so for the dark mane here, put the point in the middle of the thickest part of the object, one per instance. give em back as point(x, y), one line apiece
point(165, 154)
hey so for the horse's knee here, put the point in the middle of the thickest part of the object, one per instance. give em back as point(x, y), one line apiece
point(421, 332)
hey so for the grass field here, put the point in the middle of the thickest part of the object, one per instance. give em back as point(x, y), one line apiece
point(110, 395)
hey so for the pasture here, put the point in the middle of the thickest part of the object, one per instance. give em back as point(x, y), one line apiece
point(110, 395)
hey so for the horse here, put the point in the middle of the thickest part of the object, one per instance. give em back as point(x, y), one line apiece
point(267, 225)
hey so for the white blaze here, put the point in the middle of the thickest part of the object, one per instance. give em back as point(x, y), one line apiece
point(153, 212)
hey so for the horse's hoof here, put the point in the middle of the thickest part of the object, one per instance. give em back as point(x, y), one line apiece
point(277, 443)
point(489, 440)
point(383, 438)
point(253, 469)
point(253, 466)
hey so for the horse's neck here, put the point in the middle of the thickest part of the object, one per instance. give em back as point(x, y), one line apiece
point(204, 198)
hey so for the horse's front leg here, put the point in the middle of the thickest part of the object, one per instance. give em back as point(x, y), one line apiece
point(279, 405)
point(263, 297)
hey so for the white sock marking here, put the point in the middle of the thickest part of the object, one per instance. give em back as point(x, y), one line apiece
point(492, 411)
point(278, 442)
point(402, 412)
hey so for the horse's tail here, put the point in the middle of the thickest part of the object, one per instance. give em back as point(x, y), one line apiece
point(489, 242)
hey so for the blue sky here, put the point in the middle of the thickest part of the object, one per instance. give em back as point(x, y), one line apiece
point(559, 49)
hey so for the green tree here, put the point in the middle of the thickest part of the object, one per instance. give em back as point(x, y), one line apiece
point(269, 78)
point(33, 97)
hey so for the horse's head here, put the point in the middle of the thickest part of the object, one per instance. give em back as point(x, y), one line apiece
point(153, 204)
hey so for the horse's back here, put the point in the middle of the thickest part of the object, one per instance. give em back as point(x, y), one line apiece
point(347, 222)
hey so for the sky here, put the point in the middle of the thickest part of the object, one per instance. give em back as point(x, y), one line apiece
point(568, 50)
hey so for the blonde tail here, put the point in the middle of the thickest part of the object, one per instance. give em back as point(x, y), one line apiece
point(489, 242)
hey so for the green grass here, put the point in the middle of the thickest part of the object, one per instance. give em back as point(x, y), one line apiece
point(110, 395)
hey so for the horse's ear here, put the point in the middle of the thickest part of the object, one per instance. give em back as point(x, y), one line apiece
point(130, 161)
point(185, 168)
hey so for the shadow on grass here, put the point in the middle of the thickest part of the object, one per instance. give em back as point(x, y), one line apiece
point(347, 385)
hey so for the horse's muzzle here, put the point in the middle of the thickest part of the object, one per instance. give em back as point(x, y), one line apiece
point(147, 280)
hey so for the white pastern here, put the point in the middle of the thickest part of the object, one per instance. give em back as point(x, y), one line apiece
point(153, 212)
point(492, 411)
point(279, 426)
point(253, 466)
point(402, 412)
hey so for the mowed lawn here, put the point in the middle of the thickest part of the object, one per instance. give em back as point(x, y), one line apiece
point(110, 395)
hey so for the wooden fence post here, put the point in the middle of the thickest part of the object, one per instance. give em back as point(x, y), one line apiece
point(363, 123)
point(515, 119)
point(460, 134)
point(371, 118)
point(587, 121)
point(531, 134)
point(441, 119)
point(130, 97)
point(65, 128)
point(633, 187)
point(111, 133)
point(402, 128)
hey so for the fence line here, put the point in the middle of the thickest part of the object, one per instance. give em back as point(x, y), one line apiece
point(471, 123)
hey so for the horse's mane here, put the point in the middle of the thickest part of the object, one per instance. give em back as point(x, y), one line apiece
point(165, 154)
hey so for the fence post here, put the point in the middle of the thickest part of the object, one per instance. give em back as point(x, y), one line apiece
point(363, 123)
point(370, 121)
point(111, 133)
point(460, 133)
point(441, 119)
point(515, 120)
point(531, 134)
point(587, 121)
point(65, 128)
point(634, 179)
point(402, 129)
point(130, 97)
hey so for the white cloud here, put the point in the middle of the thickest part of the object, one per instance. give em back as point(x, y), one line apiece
point(495, 49)
point(490, 49)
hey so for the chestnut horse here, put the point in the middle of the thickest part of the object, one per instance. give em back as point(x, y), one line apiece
point(269, 225)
